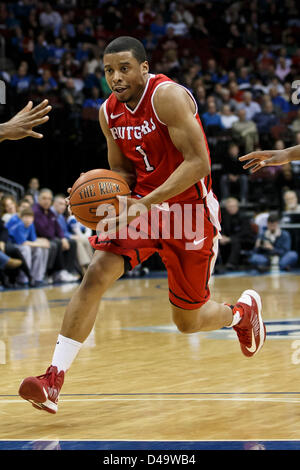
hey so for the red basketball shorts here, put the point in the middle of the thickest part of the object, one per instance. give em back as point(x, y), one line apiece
point(186, 238)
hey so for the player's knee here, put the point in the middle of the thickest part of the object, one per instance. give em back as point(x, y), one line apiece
point(100, 274)
point(185, 321)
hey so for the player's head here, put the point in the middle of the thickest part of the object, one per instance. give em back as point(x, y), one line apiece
point(126, 68)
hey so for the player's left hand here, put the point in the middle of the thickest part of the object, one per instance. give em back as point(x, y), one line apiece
point(129, 209)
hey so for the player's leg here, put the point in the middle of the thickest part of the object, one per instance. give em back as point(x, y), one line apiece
point(211, 316)
point(245, 317)
point(80, 315)
point(189, 273)
point(79, 318)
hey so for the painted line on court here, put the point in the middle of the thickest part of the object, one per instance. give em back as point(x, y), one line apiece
point(160, 394)
point(134, 400)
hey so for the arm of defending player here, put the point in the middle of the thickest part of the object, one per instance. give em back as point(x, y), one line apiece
point(175, 108)
point(263, 158)
point(117, 161)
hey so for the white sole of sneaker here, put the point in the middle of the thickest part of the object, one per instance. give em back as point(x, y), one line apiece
point(30, 390)
point(262, 332)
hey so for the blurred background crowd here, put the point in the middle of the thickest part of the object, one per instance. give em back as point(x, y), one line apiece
point(241, 61)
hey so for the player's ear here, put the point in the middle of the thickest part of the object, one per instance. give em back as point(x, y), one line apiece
point(145, 67)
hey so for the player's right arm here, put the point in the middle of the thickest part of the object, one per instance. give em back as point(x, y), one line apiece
point(261, 158)
point(117, 161)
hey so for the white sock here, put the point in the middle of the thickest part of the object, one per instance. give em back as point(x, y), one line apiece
point(236, 317)
point(66, 350)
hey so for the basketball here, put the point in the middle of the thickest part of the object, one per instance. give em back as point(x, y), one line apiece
point(93, 188)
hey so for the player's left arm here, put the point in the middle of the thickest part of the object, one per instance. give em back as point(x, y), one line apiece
point(176, 109)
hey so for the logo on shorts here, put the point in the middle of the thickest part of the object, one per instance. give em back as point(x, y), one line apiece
point(197, 242)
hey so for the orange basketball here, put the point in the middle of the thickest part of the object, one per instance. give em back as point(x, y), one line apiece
point(93, 188)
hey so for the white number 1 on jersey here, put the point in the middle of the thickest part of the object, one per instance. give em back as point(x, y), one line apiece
point(144, 155)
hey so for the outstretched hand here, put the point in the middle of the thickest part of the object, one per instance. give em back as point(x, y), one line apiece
point(259, 159)
point(24, 121)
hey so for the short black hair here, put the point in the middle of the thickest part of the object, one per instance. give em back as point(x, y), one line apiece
point(274, 217)
point(127, 43)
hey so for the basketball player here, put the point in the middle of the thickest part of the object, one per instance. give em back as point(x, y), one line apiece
point(156, 142)
point(263, 158)
point(21, 125)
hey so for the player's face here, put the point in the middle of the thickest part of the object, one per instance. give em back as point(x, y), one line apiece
point(125, 76)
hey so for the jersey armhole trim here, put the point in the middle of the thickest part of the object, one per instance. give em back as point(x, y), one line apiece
point(176, 84)
point(105, 110)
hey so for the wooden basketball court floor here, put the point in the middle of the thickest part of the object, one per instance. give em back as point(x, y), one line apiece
point(137, 379)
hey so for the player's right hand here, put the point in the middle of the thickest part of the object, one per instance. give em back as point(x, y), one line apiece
point(67, 199)
point(262, 158)
point(21, 125)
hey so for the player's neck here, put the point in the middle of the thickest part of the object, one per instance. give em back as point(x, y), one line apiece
point(135, 100)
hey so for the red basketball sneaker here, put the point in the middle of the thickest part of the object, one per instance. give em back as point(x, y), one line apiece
point(43, 391)
point(251, 330)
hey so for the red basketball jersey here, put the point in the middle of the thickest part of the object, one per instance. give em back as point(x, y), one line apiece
point(145, 140)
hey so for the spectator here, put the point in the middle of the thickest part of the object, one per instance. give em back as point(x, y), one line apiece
point(234, 175)
point(56, 51)
point(11, 251)
point(266, 119)
point(250, 106)
point(179, 27)
point(33, 188)
point(211, 117)
point(62, 256)
point(227, 100)
point(95, 101)
point(158, 27)
point(8, 263)
point(261, 215)
point(73, 100)
point(146, 16)
point(9, 204)
point(24, 204)
point(34, 250)
point(200, 97)
point(50, 20)
point(250, 36)
point(244, 78)
point(235, 93)
point(45, 83)
point(282, 68)
point(237, 234)
point(83, 52)
point(199, 30)
point(295, 125)
point(65, 24)
point(278, 101)
point(245, 132)
point(227, 117)
point(41, 50)
point(21, 81)
point(83, 254)
point(235, 38)
point(185, 15)
point(291, 203)
point(95, 60)
point(273, 242)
